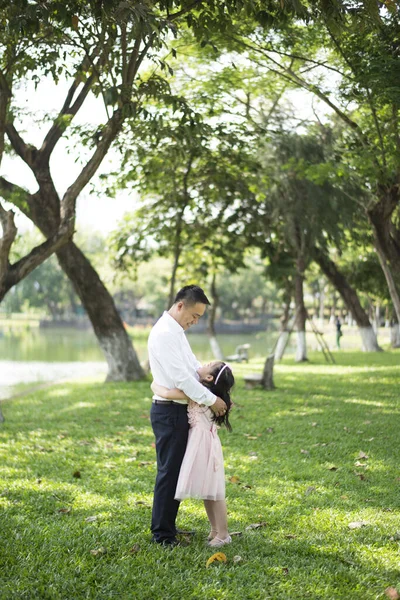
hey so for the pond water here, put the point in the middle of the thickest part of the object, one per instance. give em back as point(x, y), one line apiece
point(33, 355)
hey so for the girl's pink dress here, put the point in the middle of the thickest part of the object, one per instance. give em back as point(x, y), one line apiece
point(202, 472)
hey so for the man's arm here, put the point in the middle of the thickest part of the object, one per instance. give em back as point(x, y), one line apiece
point(169, 394)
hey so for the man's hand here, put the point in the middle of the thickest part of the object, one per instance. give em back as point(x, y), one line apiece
point(219, 407)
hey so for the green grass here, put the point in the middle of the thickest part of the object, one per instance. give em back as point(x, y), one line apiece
point(319, 417)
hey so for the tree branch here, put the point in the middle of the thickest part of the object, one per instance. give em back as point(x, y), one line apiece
point(39, 254)
point(27, 152)
point(5, 95)
point(110, 131)
point(7, 239)
point(15, 195)
point(290, 75)
point(60, 124)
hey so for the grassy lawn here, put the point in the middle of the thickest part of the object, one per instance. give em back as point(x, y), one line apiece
point(72, 452)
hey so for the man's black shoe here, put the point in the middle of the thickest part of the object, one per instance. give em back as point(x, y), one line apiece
point(169, 542)
point(183, 532)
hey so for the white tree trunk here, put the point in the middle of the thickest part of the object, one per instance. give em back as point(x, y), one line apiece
point(322, 308)
point(280, 345)
point(301, 351)
point(215, 348)
point(369, 340)
point(395, 336)
point(123, 364)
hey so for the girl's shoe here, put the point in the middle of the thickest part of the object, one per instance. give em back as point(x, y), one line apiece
point(217, 542)
point(211, 535)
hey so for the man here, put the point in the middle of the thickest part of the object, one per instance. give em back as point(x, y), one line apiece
point(174, 365)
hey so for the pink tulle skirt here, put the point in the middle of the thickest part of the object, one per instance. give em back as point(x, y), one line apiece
point(202, 472)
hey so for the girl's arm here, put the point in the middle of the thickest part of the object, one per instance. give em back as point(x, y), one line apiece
point(169, 394)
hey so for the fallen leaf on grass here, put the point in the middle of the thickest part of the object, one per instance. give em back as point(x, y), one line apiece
point(270, 430)
point(91, 519)
point(237, 559)
point(305, 451)
point(360, 475)
point(218, 556)
point(252, 437)
point(131, 459)
point(135, 548)
point(362, 455)
point(359, 464)
point(357, 524)
point(145, 462)
point(236, 533)
point(142, 503)
point(314, 424)
point(234, 479)
point(285, 570)
point(64, 511)
point(257, 525)
point(309, 490)
point(367, 422)
point(333, 468)
point(76, 474)
point(99, 551)
point(395, 537)
point(290, 536)
point(392, 593)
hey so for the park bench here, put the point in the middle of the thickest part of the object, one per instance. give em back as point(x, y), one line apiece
point(265, 379)
point(241, 354)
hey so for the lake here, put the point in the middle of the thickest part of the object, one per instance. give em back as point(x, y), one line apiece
point(34, 355)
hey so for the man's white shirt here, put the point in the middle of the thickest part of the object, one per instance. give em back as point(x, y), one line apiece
point(173, 363)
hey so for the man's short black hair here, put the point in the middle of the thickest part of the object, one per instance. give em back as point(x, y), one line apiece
point(191, 294)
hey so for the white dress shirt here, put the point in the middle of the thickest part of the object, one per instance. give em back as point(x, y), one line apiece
point(173, 363)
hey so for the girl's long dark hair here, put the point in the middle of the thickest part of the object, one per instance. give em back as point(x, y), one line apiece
point(224, 385)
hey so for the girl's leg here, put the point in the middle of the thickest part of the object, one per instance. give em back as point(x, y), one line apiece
point(209, 506)
point(219, 517)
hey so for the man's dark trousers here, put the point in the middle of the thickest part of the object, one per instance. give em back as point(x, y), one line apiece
point(171, 427)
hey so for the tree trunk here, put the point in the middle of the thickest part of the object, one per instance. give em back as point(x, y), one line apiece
point(212, 335)
point(284, 333)
point(267, 381)
point(386, 234)
point(393, 288)
point(43, 209)
point(123, 363)
point(332, 318)
point(350, 298)
point(301, 352)
point(395, 335)
point(322, 306)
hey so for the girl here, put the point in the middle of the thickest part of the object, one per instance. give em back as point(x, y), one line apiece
point(202, 472)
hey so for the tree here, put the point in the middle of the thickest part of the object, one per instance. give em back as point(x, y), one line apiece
point(100, 48)
point(352, 68)
point(189, 175)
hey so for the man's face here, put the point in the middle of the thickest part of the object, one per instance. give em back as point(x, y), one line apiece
point(189, 314)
